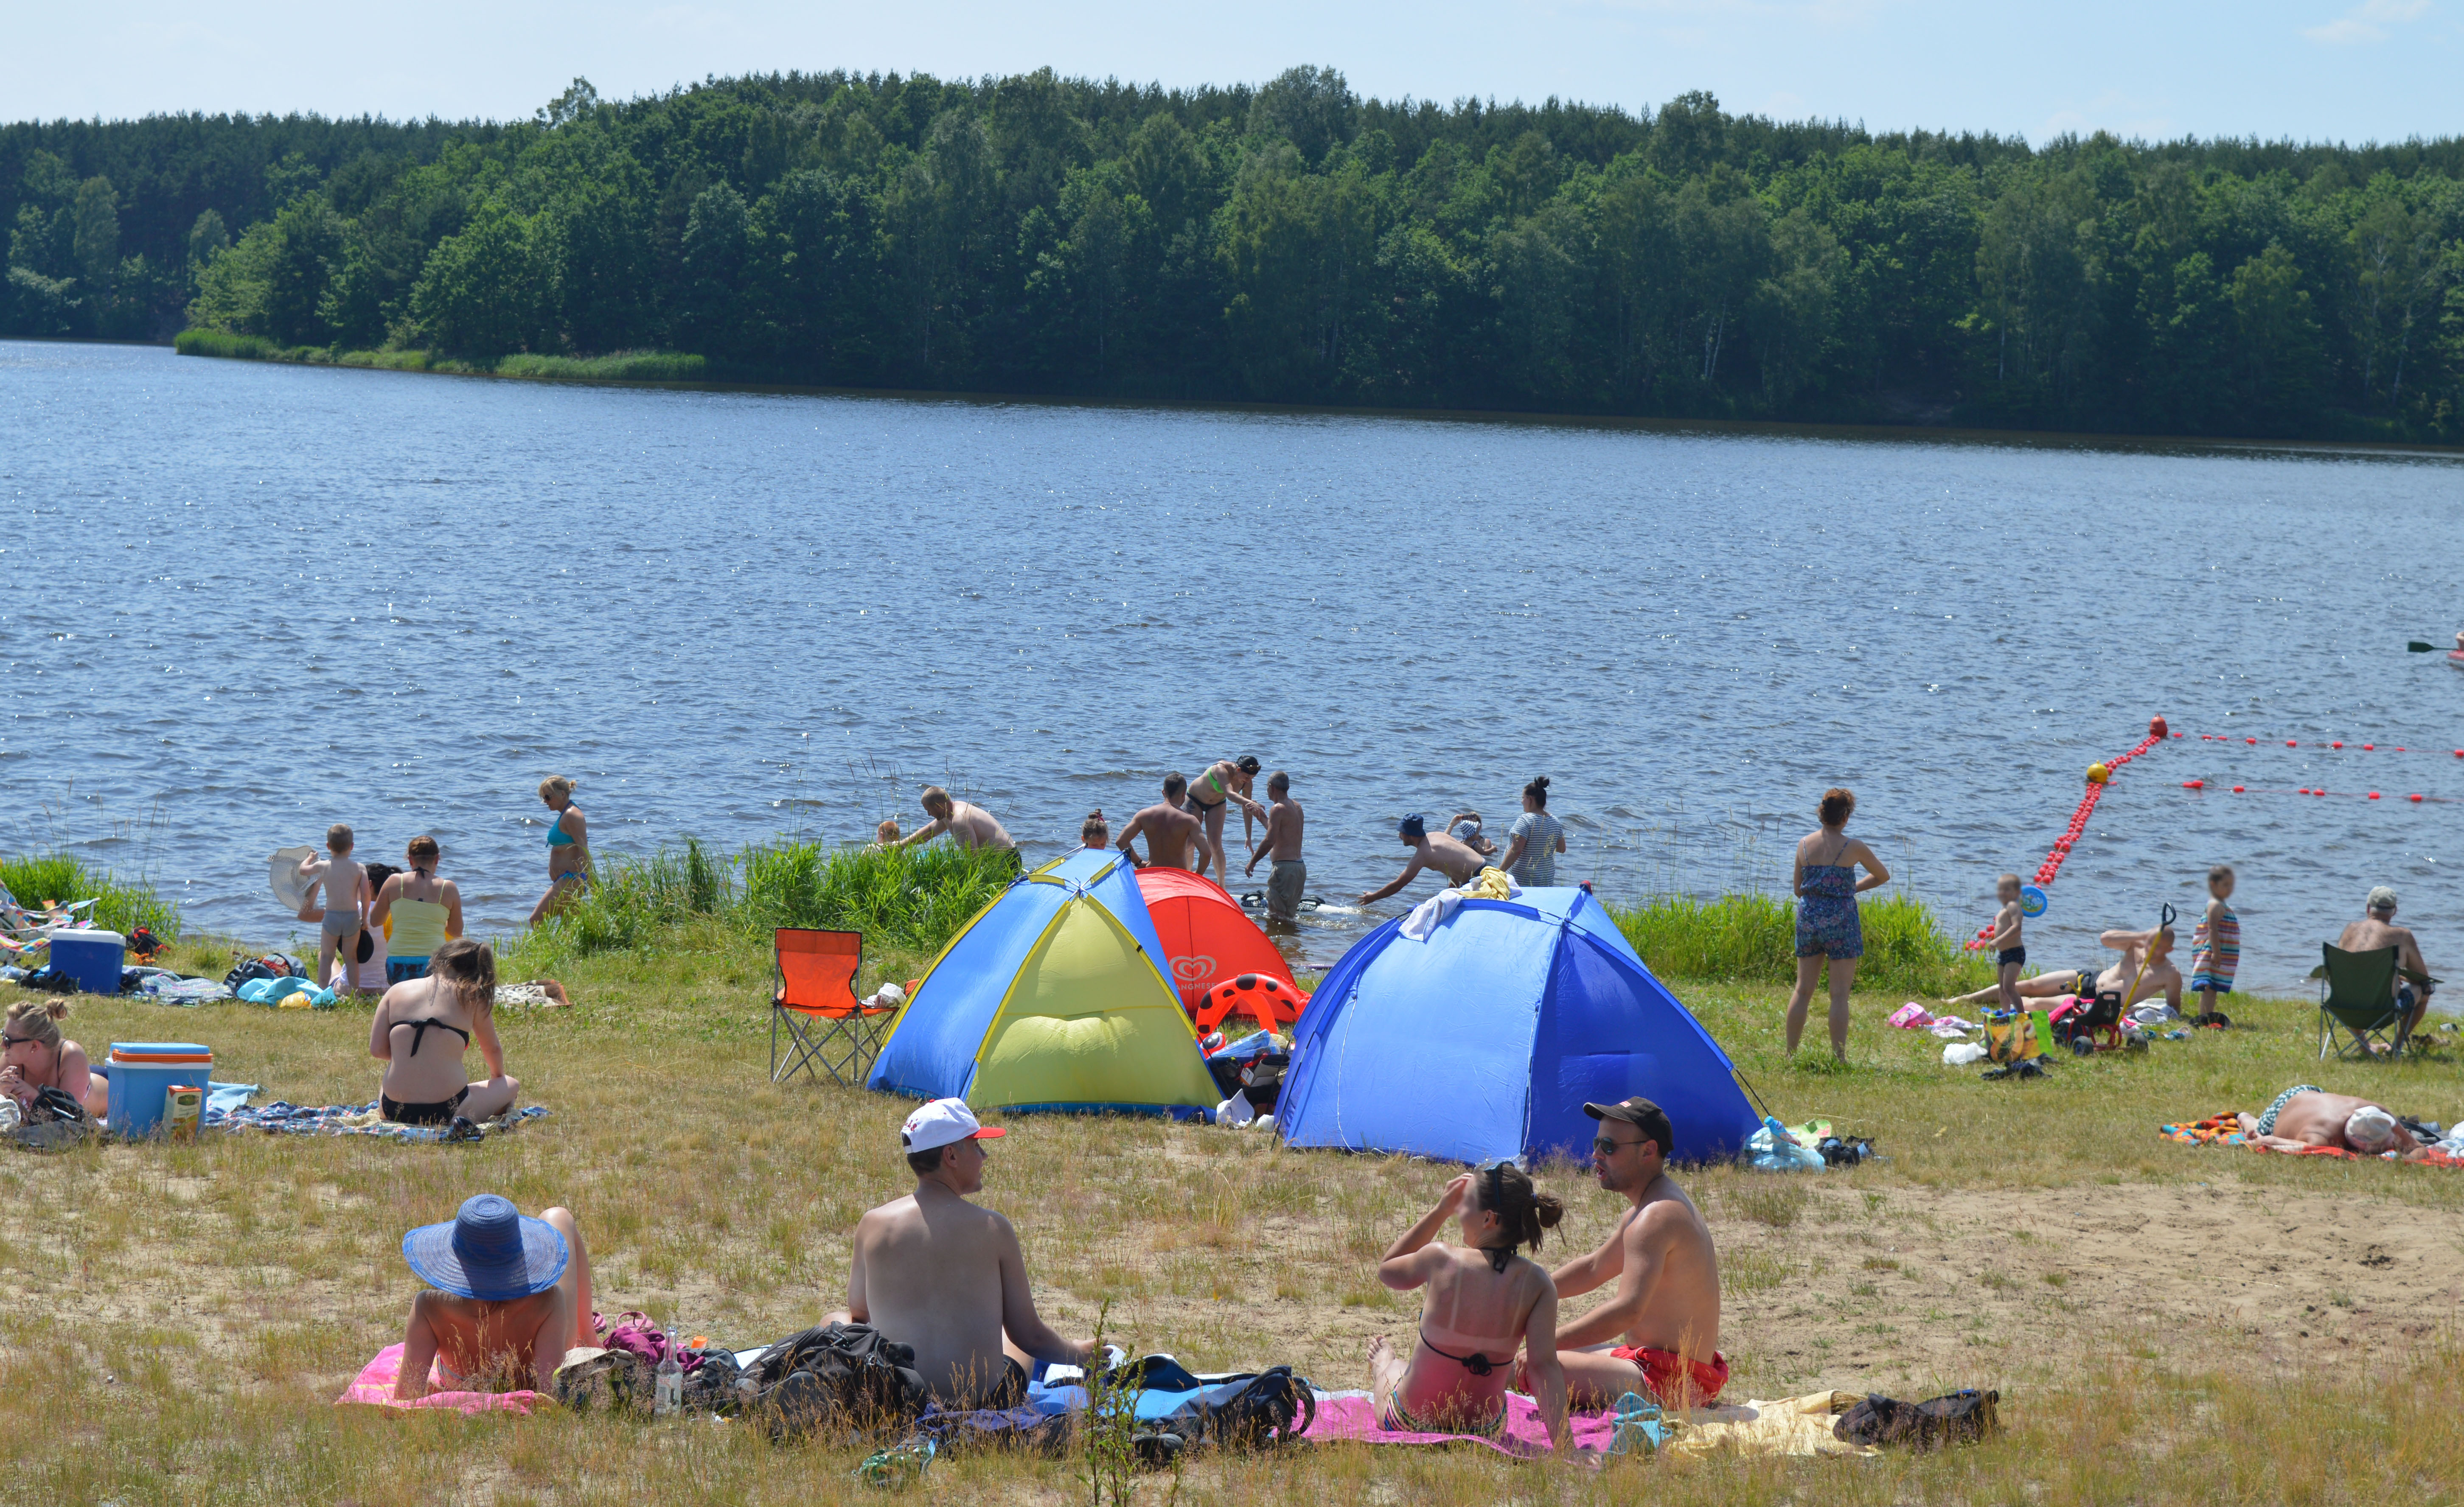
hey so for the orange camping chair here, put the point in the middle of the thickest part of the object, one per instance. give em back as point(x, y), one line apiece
point(826, 1025)
point(1273, 1003)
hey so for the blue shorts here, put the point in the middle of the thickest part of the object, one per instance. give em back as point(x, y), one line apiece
point(403, 969)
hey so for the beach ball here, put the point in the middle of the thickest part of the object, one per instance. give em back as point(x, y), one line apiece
point(2098, 774)
point(2031, 901)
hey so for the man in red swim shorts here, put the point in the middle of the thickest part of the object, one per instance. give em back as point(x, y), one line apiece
point(1659, 1335)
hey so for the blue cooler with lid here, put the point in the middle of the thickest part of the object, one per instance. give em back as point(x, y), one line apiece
point(93, 958)
point(142, 1072)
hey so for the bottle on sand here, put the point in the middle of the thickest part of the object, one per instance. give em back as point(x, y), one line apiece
point(668, 1392)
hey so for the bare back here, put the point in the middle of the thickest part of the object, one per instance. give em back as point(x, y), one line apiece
point(930, 1273)
point(1454, 858)
point(1284, 820)
point(1169, 833)
point(1664, 1243)
point(2371, 935)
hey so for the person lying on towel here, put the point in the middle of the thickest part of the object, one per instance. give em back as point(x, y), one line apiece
point(508, 1296)
point(2157, 977)
point(1654, 1337)
point(2304, 1116)
point(937, 1272)
point(1485, 1302)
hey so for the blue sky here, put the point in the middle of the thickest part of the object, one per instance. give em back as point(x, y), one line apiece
point(2351, 70)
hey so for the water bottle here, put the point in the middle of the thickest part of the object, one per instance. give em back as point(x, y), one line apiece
point(668, 1392)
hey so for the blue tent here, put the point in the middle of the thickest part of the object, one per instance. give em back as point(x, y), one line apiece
point(1487, 1040)
point(1052, 997)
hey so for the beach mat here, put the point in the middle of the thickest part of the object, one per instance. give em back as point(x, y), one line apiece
point(376, 1381)
point(1352, 1417)
point(281, 1118)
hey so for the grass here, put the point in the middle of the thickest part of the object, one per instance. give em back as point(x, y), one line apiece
point(178, 1320)
point(1751, 938)
point(616, 366)
point(120, 904)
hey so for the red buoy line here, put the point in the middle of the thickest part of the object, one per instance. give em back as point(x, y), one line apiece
point(2348, 794)
point(2097, 776)
point(2329, 744)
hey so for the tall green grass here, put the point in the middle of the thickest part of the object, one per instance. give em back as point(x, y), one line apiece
point(617, 366)
point(227, 345)
point(1751, 938)
point(911, 898)
point(121, 906)
point(621, 366)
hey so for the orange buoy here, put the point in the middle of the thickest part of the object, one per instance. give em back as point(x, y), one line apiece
point(2194, 784)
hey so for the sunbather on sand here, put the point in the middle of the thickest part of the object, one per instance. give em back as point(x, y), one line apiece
point(2159, 978)
point(2305, 1116)
point(1445, 852)
point(1485, 1302)
point(424, 1083)
point(940, 1274)
point(1172, 833)
point(969, 825)
point(510, 1295)
point(1659, 1335)
point(33, 1055)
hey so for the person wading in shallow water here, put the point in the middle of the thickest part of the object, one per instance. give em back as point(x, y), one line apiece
point(1444, 853)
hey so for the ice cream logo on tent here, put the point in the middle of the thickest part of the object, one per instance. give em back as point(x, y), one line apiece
point(1207, 938)
point(1190, 970)
point(1052, 997)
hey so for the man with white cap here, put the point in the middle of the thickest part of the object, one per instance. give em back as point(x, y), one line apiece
point(935, 1272)
point(2304, 1116)
point(2377, 931)
point(509, 1293)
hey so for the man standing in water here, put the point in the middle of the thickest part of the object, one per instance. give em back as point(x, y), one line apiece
point(969, 825)
point(1171, 831)
point(1652, 1337)
point(1444, 853)
point(1290, 877)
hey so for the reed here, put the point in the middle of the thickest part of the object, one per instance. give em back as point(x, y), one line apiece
point(120, 904)
point(1751, 938)
point(227, 345)
point(617, 366)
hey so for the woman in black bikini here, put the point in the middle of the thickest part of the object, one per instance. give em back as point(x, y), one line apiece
point(424, 1025)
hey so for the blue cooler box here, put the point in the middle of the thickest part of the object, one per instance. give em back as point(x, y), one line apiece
point(143, 1071)
point(93, 958)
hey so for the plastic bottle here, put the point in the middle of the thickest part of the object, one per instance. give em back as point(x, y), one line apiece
point(667, 1390)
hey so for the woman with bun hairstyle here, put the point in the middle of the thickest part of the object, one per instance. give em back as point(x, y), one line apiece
point(1827, 928)
point(568, 848)
point(1485, 1300)
point(1535, 841)
point(33, 1055)
point(416, 913)
point(424, 1083)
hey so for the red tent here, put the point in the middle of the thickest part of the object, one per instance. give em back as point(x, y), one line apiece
point(1207, 937)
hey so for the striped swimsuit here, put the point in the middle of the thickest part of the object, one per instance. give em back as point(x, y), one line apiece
point(2214, 959)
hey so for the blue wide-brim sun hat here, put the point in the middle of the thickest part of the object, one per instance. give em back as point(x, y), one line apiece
point(489, 1250)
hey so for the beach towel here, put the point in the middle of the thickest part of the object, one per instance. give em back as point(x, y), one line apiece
point(282, 1118)
point(172, 990)
point(1785, 1426)
point(376, 1381)
point(2224, 1130)
point(1353, 1416)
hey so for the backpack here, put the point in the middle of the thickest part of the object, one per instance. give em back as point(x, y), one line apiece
point(1937, 1421)
point(846, 1372)
point(249, 972)
point(1275, 1407)
point(56, 1105)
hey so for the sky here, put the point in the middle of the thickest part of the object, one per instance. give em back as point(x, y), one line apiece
point(2342, 70)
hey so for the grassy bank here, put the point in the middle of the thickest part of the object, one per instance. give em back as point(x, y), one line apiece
point(617, 366)
point(1753, 939)
point(120, 904)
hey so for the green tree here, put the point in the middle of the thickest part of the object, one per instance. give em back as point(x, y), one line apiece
point(1314, 108)
point(2277, 340)
point(307, 247)
point(486, 291)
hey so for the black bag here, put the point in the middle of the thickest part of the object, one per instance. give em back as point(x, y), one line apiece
point(246, 972)
point(56, 1104)
point(847, 1374)
point(1275, 1408)
point(711, 1385)
point(1937, 1421)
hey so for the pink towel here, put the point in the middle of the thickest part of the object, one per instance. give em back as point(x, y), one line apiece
point(375, 1386)
point(1525, 1435)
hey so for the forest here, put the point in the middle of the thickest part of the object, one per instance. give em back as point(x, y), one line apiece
point(1289, 243)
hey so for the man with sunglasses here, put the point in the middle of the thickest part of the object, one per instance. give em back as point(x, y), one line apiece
point(1659, 1335)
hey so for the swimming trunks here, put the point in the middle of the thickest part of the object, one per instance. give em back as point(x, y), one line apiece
point(1826, 915)
point(403, 969)
point(438, 1113)
point(2267, 1116)
point(2215, 959)
point(1659, 1368)
point(2009, 956)
point(339, 924)
point(1284, 882)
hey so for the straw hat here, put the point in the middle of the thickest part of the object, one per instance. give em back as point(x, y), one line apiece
point(291, 887)
point(489, 1250)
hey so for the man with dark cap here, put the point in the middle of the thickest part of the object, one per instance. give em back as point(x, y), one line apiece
point(1444, 852)
point(2376, 931)
point(1659, 1335)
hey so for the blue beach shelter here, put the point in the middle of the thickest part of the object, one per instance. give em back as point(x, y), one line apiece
point(1487, 1040)
point(1052, 997)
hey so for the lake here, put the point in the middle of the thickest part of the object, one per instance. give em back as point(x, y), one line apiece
point(245, 600)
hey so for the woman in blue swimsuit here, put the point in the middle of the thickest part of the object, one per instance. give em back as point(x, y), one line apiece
point(568, 848)
point(1827, 886)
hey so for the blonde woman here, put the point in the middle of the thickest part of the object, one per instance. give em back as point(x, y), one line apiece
point(424, 1083)
point(568, 848)
point(33, 1055)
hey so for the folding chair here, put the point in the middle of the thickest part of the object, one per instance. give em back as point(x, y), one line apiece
point(815, 1001)
point(2357, 992)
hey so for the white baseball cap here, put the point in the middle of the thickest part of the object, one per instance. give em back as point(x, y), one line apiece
point(943, 1121)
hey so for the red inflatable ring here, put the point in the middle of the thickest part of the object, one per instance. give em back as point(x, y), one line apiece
point(1269, 1001)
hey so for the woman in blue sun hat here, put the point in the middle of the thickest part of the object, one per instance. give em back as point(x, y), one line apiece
point(508, 1294)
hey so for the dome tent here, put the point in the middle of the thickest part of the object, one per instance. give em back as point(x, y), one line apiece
point(1207, 937)
point(1487, 1040)
point(1052, 997)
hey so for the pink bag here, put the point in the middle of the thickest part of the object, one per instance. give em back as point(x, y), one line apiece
point(1911, 1017)
point(636, 1335)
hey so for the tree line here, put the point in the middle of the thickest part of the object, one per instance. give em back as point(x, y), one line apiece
point(1293, 243)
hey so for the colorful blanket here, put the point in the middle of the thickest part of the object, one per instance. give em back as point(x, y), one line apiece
point(2224, 1130)
point(1354, 1417)
point(376, 1382)
point(289, 1118)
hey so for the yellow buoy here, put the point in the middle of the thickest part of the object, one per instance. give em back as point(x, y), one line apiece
point(2098, 774)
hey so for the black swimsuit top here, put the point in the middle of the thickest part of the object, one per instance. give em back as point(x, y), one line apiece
point(419, 1031)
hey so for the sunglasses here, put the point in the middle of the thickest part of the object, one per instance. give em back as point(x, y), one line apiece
point(7, 1041)
point(1608, 1148)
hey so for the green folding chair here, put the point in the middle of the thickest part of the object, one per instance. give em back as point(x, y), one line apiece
point(2357, 993)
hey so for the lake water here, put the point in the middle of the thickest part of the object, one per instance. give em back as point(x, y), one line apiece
point(242, 601)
